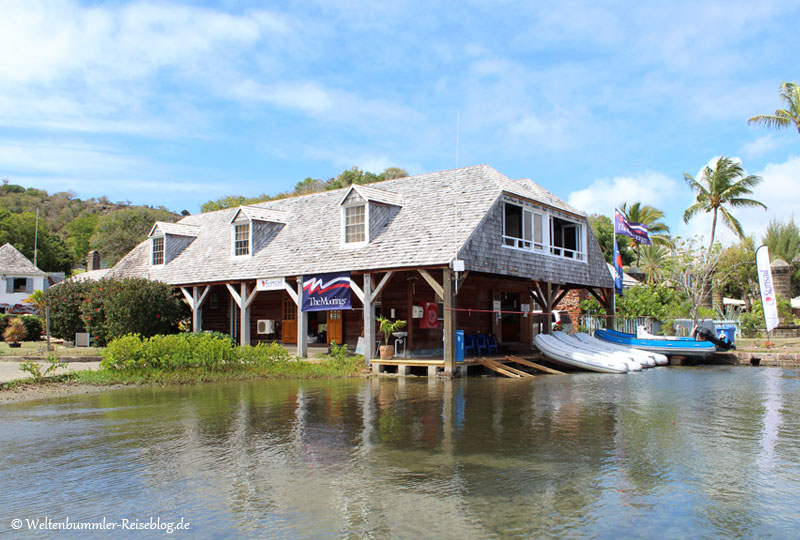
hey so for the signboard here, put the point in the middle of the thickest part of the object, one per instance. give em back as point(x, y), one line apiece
point(327, 292)
point(270, 284)
point(768, 300)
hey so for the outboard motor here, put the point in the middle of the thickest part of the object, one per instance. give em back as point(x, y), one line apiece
point(721, 342)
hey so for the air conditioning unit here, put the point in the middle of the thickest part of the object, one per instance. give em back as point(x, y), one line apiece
point(265, 326)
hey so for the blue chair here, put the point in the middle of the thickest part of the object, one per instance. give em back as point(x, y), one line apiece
point(483, 343)
point(470, 344)
point(492, 344)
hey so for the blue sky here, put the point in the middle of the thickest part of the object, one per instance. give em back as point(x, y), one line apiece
point(177, 103)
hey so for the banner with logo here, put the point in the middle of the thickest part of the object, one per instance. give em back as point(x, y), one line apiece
point(327, 292)
point(637, 231)
point(767, 286)
point(617, 268)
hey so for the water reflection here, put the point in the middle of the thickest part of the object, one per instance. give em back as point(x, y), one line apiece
point(701, 452)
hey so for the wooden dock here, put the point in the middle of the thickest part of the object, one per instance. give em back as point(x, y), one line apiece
point(433, 366)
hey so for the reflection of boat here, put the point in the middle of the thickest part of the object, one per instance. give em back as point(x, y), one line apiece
point(626, 357)
point(670, 347)
point(647, 358)
point(571, 356)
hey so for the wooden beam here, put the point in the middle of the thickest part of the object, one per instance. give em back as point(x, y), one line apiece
point(251, 298)
point(234, 295)
point(244, 316)
point(292, 293)
point(561, 295)
point(369, 320)
point(381, 285)
point(302, 322)
point(460, 281)
point(449, 322)
point(596, 296)
point(356, 289)
point(189, 298)
point(203, 295)
point(438, 289)
point(499, 368)
point(534, 365)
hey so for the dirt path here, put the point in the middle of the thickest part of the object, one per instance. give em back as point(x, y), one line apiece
point(10, 371)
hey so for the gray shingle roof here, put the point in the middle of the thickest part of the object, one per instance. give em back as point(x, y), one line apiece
point(261, 214)
point(373, 194)
point(178, 229)
point(440, 212)
point(14, 262)
point(540, 194)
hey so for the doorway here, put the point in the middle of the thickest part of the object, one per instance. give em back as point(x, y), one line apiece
point(289, 320)
point(510, 322)
point(334, 327)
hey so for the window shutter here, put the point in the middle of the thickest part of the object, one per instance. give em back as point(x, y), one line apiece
point(9, 284)
point(29, 285)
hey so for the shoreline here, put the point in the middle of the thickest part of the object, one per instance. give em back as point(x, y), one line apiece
point(31, 391)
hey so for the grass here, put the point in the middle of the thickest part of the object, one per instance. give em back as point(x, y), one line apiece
point(778, 345)
point(38, 348)
point(293, 369)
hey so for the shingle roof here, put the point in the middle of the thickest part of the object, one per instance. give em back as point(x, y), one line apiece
point(261, 214)
point(373, 194)
point(542, 195)
point(441, 211)
point(178, 229)
point(14, 262)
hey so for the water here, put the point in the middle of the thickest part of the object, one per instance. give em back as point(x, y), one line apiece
point(667, 453)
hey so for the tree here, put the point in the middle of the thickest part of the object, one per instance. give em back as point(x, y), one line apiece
point(742, 280)
point(651, 217)
point(121, 231)
point(719, 187)
point(783, 241)
point(783, 118)
point(653, 263)
point(603, 230)
point(52, 254)
point(79, 232)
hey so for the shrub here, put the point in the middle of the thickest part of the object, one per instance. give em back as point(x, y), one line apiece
point(15, 331)
point(64, 301)
point(33, 327)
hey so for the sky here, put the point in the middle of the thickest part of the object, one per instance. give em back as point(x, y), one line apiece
point(179, 103)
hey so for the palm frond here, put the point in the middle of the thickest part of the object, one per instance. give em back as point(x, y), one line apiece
point(732, 223)
point(693, 210)
point(746, 202)
point(771, 121)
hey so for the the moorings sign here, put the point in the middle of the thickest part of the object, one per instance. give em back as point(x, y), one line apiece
point(270, 284)
point(327, 292)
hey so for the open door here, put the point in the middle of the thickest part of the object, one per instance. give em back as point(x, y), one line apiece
point(289, 320)
point(335, 327)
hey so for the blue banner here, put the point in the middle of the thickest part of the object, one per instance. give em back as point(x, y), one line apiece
point(617, 268)
point(327, 292)
point(637, 231)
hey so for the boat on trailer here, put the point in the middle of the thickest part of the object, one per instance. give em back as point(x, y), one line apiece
point(669, 347)
point(571, 356)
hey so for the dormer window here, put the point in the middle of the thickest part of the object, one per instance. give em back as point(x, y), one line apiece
point(158, 250)
point(355, 224)
point(241, 239)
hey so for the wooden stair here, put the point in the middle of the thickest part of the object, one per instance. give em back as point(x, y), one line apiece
point(502, 369)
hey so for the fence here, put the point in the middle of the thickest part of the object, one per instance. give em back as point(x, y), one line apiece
point(682, 326)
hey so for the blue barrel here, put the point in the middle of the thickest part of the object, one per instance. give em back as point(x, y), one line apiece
point(727, 330)
point(459, 345)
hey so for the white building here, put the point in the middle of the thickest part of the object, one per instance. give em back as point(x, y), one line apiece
point(18, 279)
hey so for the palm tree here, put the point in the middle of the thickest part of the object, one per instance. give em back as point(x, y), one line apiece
point(651, 217)
point(723, 185)
point(783, 118)
point(653, 265)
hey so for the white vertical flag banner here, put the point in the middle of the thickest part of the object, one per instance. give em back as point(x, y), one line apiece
point(767, 286)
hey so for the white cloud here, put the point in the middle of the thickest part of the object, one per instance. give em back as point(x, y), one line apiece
point(604, 194)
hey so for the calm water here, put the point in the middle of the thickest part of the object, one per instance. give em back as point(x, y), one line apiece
point(667, 453)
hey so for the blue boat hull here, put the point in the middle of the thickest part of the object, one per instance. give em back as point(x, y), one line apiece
point(671, 347)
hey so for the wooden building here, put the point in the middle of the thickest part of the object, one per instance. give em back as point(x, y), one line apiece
point(484, 249)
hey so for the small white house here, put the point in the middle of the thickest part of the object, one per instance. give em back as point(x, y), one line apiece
point(18, 278)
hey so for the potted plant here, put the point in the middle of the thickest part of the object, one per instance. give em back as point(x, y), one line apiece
point(14, 333)
point(388, 327)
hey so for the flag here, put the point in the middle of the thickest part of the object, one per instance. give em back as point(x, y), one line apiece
point(768, 300)
point(617, 268)
point(637, 231)
point(327, 292)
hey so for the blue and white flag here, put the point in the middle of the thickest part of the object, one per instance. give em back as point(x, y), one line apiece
point(637, 231)
point(327, 292)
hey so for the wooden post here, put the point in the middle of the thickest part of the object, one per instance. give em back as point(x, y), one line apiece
point(449, 323)
point(548, 309)
point(302, 322)
point(410, 325)
point(244, 316)
point(369, 320)
point(197, 320)
point(609, 295)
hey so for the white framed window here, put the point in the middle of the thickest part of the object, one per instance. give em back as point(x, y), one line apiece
point(158, 250)
point(355, 224)
point(241, 239)
point(566, 239)
point(522, 228)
